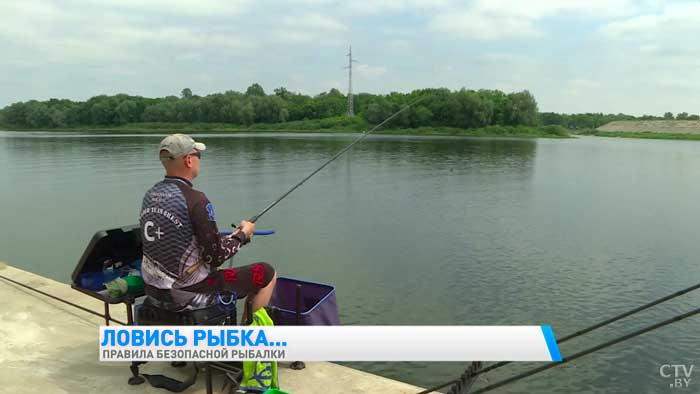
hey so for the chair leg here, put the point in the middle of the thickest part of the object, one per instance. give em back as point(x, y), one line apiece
point(136, 379)
point(207, 369)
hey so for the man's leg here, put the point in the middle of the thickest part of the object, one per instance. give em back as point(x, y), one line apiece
point(262, 299)
point(257, 281)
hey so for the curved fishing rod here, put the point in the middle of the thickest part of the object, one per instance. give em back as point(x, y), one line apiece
point(576, 334)
point(606, 322)
point(74, 305)
point(362, 137)
point(582, 353)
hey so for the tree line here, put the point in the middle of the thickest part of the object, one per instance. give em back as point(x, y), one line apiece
point(441, 107)
point(595, 120)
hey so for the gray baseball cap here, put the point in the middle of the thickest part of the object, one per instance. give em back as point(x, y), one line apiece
point(179, 145)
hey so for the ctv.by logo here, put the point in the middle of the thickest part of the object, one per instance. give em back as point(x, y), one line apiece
point(680, 374)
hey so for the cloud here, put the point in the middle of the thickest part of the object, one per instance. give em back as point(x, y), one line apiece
point(393, 6)
point(474, 25)
point(313, 22)
point(674, 20)
point(368, 71)
point(581, 87)
point(309, 27)
point(642, 53)
point(58, 35)
point(516, 19)
point(658, 41)
point(536, 9)
point(400, 45)
point(182, 7)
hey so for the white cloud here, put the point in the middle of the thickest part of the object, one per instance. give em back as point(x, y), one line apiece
point(400, 45)
point(368, 71)
point(674, 19)
point(472, 24)
point(517, 19)
point(644, 55)
point(393, 6)
point(664, 41)
point(313, 22)
point(183, 7)
point(581, 87)
point(535, 9)
point(59, 35)
point(310, 27)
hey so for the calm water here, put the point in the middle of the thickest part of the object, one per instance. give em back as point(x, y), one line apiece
point(416, 231)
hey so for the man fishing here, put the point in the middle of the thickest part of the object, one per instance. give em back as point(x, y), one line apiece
point(182, 247)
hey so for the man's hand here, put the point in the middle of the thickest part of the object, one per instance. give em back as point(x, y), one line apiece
point(247, 227)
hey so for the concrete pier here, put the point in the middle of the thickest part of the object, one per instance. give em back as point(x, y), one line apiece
point(50, 347)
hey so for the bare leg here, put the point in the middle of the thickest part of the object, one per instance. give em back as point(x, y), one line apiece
point(262, 299)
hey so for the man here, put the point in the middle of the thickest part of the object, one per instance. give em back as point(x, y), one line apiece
point(182, 247)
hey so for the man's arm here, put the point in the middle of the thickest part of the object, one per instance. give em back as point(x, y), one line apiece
point(215, 248)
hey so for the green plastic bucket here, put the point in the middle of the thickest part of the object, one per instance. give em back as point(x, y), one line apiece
point(134, 283)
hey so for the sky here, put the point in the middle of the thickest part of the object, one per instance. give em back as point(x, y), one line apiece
point(636, 57)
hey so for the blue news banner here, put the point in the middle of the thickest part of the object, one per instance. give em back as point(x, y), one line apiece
point(328, 343)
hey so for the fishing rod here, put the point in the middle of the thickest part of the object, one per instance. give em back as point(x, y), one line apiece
point(606, 322)
point(329, 161)
point(74, 305)
point(588, 351)
point(577, 333)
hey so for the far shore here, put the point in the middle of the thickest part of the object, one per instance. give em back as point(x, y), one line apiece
point(649, 135)
point(490, 132)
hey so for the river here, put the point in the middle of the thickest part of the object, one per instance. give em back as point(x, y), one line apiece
point(415, 230)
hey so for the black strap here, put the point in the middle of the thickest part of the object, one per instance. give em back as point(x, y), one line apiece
point(162, 295)
point(170, 384)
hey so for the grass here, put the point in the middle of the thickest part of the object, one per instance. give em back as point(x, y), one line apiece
point(327, 125)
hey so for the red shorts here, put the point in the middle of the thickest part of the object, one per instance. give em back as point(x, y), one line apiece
point(244, 281)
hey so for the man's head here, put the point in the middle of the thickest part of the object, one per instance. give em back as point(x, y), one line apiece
point(180, 155)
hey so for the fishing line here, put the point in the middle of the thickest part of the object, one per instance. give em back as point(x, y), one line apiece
point(605, 323)
point(360, 138)
point(61, 300)
point(329, 161)
point(578, 333)
point(588, 351)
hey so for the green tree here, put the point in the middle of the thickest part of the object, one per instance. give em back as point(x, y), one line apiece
point(186, 94)
point(39, 115)
point(522, 109)
point(101, 114)
point(16, 114)
point(248, 114)
point(668, 116)
point(126, 112)
point(283, 93)
point(255, 90)
point(421, 116)
point(283, 115)
point(378, 111)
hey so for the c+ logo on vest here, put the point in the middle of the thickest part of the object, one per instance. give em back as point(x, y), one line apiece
point(148, 237)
